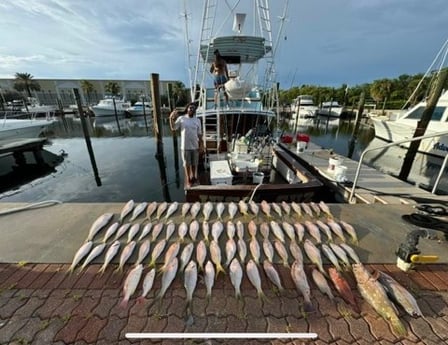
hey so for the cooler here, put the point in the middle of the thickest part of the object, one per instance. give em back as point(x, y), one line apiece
point(220, 173)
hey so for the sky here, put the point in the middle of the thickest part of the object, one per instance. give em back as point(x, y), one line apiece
point(323, 42)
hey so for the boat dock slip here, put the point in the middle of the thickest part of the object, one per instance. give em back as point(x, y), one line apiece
point(41, 304)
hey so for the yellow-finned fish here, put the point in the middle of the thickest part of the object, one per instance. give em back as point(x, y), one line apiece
point(130, 284)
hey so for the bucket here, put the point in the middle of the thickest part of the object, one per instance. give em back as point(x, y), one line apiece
point(257, 177)
point(301, 146)
point(333, 163)
point(339, 173)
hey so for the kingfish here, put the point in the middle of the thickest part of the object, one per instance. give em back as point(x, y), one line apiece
point(122, 230)
point(254, 278)
point(209, 278)
point(252, 227)
point(253, 207)
point(201, 254)
point(171, 210)
point(313, 254)
point(156, 230)
point(254, 248)
point(343, 288)
point(299, 278)
point(230, 229)
point(313, 230)
point(326, 229)
point(158, 249)
point(110, 231)
point(143, 251)
point(152, 207)
point(268, 249)
point(138, 210)
point(300, 231)
point(167, 278)
point(240, 229)
point(217, 229)
point(161, 209)
point(296, 207)
point(243, 208)
point(170, 254)
point(289, 230)
point(282, 252)
point(277, 209)
point(170, 228)
point(190, 280)
point(207, 210)
point(340, 253)
point(236, 276)
point(145, 231)
point(335, 227)
point(182, 231)
point(185, 208)
point(133, 231)
point(278, 232)
point(130, 284)
point(215, 255)
point(286, 208)
point(374, 293)
point(205, 231)
point(315, 208)
point(296, 252)
point(266, 208)
point(194, 209)
point(80, 254)
point(98, 224)
point(350, 230)
point(264, 229)
point(232, 208)
point(220, 207)
point(399, 294)
point(127, 208)
point(306, 209)
point(93, 254)
point(331, 256)
point(272, 274)
point(322, 283)
point(148, 282)
point(125, 255)
point(349, 250)
point(193, 229)
point(186, 255)
point(110, 254)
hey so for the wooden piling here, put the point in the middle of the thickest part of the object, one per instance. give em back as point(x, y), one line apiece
point(352, 141)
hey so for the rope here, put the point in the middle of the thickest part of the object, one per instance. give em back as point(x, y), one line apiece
point(31, 206)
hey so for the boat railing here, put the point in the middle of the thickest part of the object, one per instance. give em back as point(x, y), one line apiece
point(395, 143)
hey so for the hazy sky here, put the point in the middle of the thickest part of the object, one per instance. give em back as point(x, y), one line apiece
point(325, 42)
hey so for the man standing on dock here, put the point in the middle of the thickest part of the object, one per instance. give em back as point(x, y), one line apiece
point(191, 141)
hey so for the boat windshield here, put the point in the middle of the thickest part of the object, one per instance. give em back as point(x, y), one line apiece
point(417, 113)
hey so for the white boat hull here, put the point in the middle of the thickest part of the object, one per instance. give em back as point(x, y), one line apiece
point(22, 129)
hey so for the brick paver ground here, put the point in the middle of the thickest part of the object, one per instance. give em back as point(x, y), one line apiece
point(40, 304)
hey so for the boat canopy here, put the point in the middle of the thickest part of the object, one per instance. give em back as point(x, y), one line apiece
point(236, 49)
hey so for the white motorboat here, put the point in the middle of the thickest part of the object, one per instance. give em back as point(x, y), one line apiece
point(303, 111)
point(23, 128)
point(331, 109)
point(403, 127)
point(107, 107)
point(38, 109)
point(138, 109)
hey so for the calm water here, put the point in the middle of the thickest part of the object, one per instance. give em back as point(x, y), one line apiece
point(127, 165)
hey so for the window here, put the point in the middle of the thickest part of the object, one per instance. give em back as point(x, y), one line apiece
point(418, 112)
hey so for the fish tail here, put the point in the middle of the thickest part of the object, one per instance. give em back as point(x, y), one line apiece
point(124, 303)
point(262, 296)
point(101, 270)
point(70, 270)
point(140, 300)
point(398, 326)
point(308, 306)
point(119, 269)
point(354, 240)
point(219, 268)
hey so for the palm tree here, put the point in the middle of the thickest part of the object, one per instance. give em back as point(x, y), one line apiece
point(113, 88)
point(25, 81)
point(179, 93)
point(380, 90)
point(87, 88)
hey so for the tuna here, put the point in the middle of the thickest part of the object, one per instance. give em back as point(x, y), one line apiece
point(130, 284)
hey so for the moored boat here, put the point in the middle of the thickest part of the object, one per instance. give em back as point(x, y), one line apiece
point(108, 106)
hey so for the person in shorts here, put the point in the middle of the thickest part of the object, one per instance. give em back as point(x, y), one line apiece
point(220, 75)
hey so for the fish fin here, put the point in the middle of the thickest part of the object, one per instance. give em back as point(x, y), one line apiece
point(124, 303)
point(70, 270)
point(219, 268)
point(140, 300)
point(398, 326)
point(308, 307)
point(263, 297)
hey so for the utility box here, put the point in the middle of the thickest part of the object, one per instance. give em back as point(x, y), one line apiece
point(220, 173)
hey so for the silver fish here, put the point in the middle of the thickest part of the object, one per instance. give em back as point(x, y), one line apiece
point(325, 209)
point(161, 209)
point(138, 210)
point(254, 278)
point(282, 252)
point(98, 224)
point(167, 278)
point(110, 254)
point(182, 231)
point(209, 278)
point(268, 249)
point(193, 229)
point(130, 284)
point(286, 208)
point(220, 207)
point(313, 254)
point(148, 282)
point(152, 207)
point(158, 249)
point(230, 229)
point(296, 207)
point(350, 252)
point(171, 209)
point(300, 231)
point(135, 228)
point(322, 283)
point(80, 254)
point(253, 207)
point(185, 208)
point(201, 254)
point(186, 255)
point(170, 228)
point(278, 232)
point(215, 255)
point(264, 229)
point(207, 210)
point(230, 250)
point(326, 229)
point(299, 278)
point(254, 248)
point(190, 280)
point(266, 208)
point(350, 230)
point(125, 255)
point(143, 251)
point(194, 209)
point(272, 274)
point(306, 209)
point(236, 276)
point(242, 206)
point(122, 230)
point(313, 230)
point(240, 229)
point(277, 209)
point(156, 230)
point(170, 254)
point(331, 256)
point(252, 227)
point(93, 254)
point(340, 254)
point(315, 208)
point(289, 229)
point(296, 252)
point(232, 208)
point(335, 227)
point(217, 229)
point(242, 249)
point(110, 231)
point(145, 231)
point(127, 208)
point(205, 231)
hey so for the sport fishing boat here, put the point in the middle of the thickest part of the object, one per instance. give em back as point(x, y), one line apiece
point(23, 128)
point(243, 157)
point(303, 111)
point(403, 127)
point(108, 106)
point(331, 109)
point(140, 109)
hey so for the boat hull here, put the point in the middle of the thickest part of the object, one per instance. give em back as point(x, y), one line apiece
point(22, 129)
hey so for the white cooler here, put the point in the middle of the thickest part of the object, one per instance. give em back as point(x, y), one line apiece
point(220, 173)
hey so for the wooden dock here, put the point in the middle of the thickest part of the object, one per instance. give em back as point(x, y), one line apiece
point(18, 147)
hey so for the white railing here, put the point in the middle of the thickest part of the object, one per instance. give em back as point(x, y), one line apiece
point(395, 143)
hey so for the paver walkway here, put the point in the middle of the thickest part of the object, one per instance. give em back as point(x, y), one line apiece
point(40, 304)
